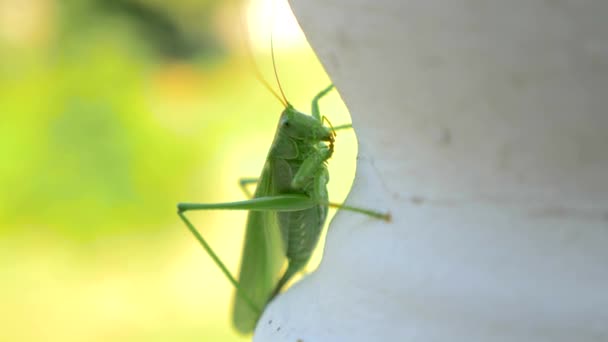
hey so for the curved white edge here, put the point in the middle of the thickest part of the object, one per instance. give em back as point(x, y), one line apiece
point(483, 128)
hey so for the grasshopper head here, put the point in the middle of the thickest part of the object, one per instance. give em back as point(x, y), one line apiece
point(303, 127)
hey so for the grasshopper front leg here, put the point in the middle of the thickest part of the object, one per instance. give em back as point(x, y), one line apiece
point(308, 170)
point(315, 101)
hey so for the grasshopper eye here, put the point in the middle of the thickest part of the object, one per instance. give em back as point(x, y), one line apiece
point(286, 124)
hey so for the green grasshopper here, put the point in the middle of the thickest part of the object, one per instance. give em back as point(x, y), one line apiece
point(287, 211)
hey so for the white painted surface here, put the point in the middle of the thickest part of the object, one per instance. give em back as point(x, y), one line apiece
point(483, 127)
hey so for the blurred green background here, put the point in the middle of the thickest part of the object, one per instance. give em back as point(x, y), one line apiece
point(111, 112)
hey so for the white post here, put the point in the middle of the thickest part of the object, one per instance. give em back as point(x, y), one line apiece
point(483, 128)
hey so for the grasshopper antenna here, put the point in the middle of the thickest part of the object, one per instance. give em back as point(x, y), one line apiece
point(274, 65)
point(254, 66)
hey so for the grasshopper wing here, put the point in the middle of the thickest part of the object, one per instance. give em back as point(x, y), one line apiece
point(263, 257)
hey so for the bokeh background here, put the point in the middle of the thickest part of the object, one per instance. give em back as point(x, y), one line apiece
point(111, 112)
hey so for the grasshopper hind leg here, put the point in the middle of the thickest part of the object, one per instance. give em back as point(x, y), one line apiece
point(217, 261)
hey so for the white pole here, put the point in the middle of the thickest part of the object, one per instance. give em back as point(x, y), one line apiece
point(483, 128)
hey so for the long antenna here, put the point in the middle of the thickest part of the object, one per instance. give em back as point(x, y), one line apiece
point(274, 65)
point(254, 65)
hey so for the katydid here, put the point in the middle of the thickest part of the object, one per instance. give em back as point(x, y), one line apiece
point(287, 211)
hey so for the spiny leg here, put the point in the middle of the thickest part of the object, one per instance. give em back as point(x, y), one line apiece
point(345, 126)
point(218, 261)
point(372, 213)
point(317, 113)
point(271, 203)
point(244, 185)
point(315, 102)
point(287, 202)
point(309, 169)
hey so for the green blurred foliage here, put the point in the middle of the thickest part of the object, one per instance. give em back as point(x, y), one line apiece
point(111, 112)
point(76, 129)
